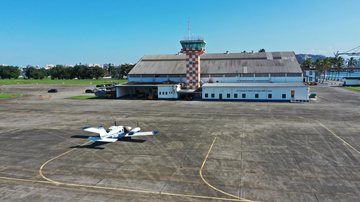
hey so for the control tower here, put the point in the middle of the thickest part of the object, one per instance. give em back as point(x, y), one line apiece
point(193, 49)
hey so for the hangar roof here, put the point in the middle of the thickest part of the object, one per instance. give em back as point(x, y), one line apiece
point(221, 63)
point(354, 78)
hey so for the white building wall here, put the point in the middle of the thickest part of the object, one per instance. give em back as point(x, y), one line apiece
point(301, 93)
point(286, 79)
point(235, 79)
point(351, 82)
point(168, 92)
point(310, 75)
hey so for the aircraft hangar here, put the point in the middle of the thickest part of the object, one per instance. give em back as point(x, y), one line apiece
point(263, 76)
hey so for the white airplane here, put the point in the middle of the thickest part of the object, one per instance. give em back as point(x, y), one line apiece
point(114, 133)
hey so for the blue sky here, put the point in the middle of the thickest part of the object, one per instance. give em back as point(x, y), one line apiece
point(40, 32)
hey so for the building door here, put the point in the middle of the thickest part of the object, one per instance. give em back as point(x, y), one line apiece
point(292, 94)
point(220, 96)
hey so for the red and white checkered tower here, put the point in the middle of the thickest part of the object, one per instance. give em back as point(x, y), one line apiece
point(193, 49)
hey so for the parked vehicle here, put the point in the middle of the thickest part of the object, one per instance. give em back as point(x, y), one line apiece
point(100, 86)
point(89, 91)
point(53, 90)
point(312, 83)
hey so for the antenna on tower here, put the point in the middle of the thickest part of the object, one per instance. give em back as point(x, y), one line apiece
point(188, 28)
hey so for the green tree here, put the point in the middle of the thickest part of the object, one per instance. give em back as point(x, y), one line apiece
point(34, 73)
point(352, 62)
point(322, 65)
point(80, 71)
point(55, 72)
point(116, 72)
point(40, 73)
point(307, 63)
point(110, 70)
point(29, 72)
point(14, 72)
point(262, 50)
point(339, 64)
point(97, 72)
point(9, 72)
point(125, 69)
point(77, 71)
point(62, 72)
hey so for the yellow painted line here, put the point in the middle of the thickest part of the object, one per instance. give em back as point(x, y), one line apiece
point(338, 137)
point(24, 180)
point(56, 157)
point(143, 191)
point(207, 183)
point(116, 189)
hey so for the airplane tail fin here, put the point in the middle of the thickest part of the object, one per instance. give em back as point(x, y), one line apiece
point(102, 132)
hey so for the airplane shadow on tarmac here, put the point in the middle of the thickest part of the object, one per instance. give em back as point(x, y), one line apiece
point(95, 145)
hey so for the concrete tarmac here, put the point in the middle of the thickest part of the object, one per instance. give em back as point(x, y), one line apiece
point(207, 151)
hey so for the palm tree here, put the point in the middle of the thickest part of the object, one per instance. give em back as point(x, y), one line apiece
point(352, 63)
point(339, 63)
point(321, 65)
point(307, 63)
point(332, 64)
point(328, 63)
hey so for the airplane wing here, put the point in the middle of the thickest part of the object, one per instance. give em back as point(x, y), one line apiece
point(99, 139)
point(137, 134)
point(101, 131)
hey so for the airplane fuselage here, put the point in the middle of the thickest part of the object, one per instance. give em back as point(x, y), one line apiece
point(116, 132)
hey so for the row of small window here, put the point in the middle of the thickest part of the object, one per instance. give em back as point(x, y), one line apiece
point(218, 75)
point(242, 95)
point(165, 93)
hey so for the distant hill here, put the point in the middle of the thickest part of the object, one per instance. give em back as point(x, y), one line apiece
point(302, 57)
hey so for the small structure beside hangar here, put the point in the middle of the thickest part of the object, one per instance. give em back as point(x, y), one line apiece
point(255, 91)
point(351, 81)
point(169, 91)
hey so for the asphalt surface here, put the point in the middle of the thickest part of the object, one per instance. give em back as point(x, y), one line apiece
point(207, 151)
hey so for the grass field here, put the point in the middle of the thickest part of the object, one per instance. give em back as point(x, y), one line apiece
point(83, 97)
point(49, 81)
point(10, 95)
point(354, 88)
